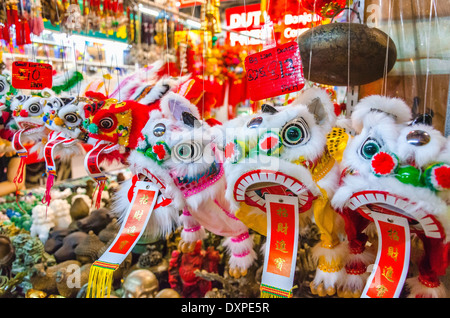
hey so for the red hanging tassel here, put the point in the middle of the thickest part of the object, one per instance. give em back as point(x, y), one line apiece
point(98, 192)
point(18, 179)
point(26, 32)
point(48, 187)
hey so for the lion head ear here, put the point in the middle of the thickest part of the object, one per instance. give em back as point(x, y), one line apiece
point(68, 100)
point(190, 120)
point(317, 108)
point(174, 105)
point(266, 108)
point(319, 104)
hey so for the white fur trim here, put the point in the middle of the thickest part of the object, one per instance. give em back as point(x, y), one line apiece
point(340, 251)
point(355, 282)
point(416, 288)
point(243, 262)
point(388, 105)
point(424, 154)
point(188, 221)
point(238, 247)
point(334, 279)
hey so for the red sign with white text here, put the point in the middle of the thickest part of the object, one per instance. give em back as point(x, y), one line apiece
point(247, 21)
point(30, 75)
point(288, 24)
point(274, 72)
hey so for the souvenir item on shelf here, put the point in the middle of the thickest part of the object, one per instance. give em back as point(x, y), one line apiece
point(46, 278)
point(43, 219)
point(70, 279)
point(325, 52)
point(52, 10)
point(167, 293)
point(96, 221)
point(61, 209)
point(183, 267)
point(29, 251)
point(88, 249)
point(290, 152)
point(7, 254)
point(178, 152)
point(70, 242)
point(36, 23)
point(55, 239)
point(72, 19)
point(109, 232)
point(128, 85)
point(140, 283)
point(395, 174)
point(80, 207)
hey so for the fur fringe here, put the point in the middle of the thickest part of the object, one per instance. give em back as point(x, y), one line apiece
point(419, 290)
point(240, 246)
point(188, 221)
point(330, 279)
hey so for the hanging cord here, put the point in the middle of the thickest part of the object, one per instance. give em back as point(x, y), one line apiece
point(101, 65)
point(76, 70)
point(428, 59)
point(188, 32)
point(348, 51)
point(385, 71)
point(118, 77)
point(310, 45)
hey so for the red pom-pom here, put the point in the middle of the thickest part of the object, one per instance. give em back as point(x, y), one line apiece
point(383, 164)
point(442, 176)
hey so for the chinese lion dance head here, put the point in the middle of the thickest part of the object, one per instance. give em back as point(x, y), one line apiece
point(290, 150)
point(397, 166)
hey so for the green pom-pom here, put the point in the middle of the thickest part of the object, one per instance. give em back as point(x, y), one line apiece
point(93, 128)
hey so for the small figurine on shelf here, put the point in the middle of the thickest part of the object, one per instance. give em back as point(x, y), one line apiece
point(182, 268)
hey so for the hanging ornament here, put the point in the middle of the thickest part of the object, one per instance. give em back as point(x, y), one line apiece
point(210, 16)
point(325, 8)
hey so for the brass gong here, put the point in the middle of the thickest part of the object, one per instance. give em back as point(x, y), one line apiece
point(328, 47)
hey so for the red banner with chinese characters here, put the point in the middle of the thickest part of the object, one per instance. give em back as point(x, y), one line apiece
point(134, 223)
point(274, 72)
point(30, 75)
point(282, 240)
point(392, 263)
point(136, 219)
point(281, 246)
